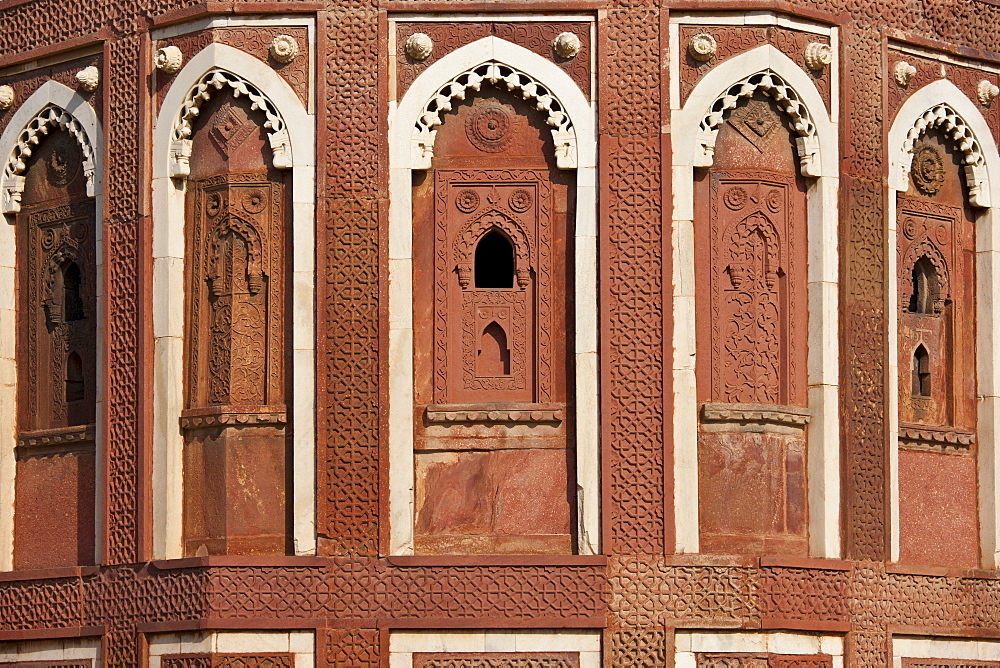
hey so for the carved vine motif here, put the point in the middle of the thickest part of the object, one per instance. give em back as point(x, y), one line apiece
point(236, 314)
point(34, 132)
point(807, 143)
point(212, 81)
point(497, 74)
point(944, 117)
point(753, 333)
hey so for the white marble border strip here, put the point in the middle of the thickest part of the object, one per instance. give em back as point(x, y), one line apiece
point(987, 311)
point(67, 649)
point(822, 284)
point(917, 647)
point(168, 301)
point(402, 118)
point(301, 644)
point(50, 92)
point(690, 643)
point(403, 644)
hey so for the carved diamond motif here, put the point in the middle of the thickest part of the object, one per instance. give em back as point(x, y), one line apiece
point(755, 121)
point(232, 127)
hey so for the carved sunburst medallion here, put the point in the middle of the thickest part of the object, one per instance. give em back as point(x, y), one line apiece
point(63, 163)
point(232, 127)
point(928, 169)
point(755, 121)
point(489, 126)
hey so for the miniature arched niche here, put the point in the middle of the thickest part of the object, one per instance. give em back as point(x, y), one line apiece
point(237, 369)
point(936, 352)
point(57, 329)
point(491, 227)
point(752, 323)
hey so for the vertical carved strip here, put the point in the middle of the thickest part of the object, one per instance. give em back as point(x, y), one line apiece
point(348, 266)
point(862, 297)
point(122, 231)
point(631, 296)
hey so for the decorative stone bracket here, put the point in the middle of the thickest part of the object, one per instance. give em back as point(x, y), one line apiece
point(807, 142)
point(215, 80)
point(499, 413)
point(753, 417)
point(944, 117)
point(497, 74)
point(12, 182)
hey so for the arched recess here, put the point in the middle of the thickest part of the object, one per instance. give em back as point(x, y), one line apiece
point(943, 105)
point(570, 115)
point(694, 126)
point(52, 105)
point(291, 131)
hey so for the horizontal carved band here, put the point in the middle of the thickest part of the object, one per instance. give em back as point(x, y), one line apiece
point(494, 413)
point(923, 436)
point(792, 416)
point(42, 438)
point(233, 416)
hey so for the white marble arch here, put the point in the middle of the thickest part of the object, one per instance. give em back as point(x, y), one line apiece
point(403, 117)
point(168, 297)
point(822, 285)
point(70, 101)
point(972, 125)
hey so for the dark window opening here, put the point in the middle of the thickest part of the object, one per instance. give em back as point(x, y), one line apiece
point(72, 301)
point(925, 286)
point(74, 378)
point(494, 262)
point(921, 372)
point(494, 355)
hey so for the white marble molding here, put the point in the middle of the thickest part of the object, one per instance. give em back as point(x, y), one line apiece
point(943, 647)
point(86, 127)
point(58, 649)
point(943, 104)
point(404, 644)
point(404, 118)
point(688, 644)
point(817, 146)
point(300, 644)
point(168, 291)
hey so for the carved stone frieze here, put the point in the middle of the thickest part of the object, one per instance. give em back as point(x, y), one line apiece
point(926, 436)
point(500, 413)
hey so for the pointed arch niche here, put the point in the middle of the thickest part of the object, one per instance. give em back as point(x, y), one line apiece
point(290, 132)
point(762, 70)
point(412, 123)
point(52, 106)
point(943, 107)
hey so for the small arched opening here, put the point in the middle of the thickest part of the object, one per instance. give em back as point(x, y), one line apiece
point(494, 260)
point(921, 372)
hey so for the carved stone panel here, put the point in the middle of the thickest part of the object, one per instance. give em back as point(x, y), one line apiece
point(236, 360)
point(752, 322)
point(57, 353)
point(491, 313)
point(936, 287)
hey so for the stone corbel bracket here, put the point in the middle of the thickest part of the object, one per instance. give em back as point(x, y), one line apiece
point(807, 142)
point(213, 81)
point(497, 74)
point(52, 116)
point(944, 117)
